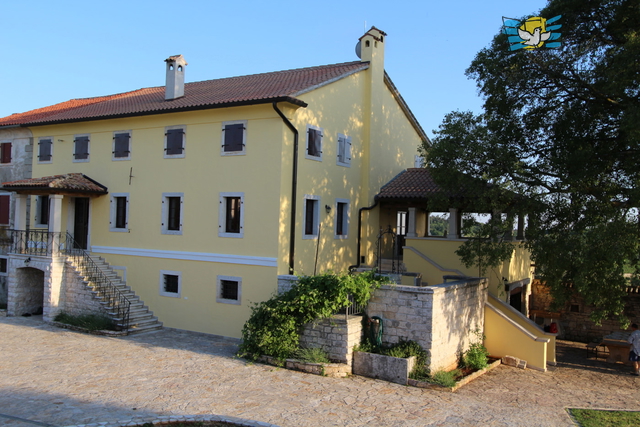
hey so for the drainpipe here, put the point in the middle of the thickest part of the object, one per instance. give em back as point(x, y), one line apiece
point(294, 186)
point(353, 267)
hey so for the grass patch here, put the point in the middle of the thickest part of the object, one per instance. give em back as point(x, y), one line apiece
point(312, 355)
point(444, 378)
point(599, 418)
point(91, 322)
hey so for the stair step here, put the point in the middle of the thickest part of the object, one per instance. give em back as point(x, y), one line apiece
point(144, 329)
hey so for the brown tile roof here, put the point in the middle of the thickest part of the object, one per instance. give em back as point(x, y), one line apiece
point(244, 90)
point(412, 183)
point(70, 182)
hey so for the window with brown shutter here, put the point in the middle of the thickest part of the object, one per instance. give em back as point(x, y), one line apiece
point(310, 217)
point(5, 153)
point(173, 219)
point(5, 203)
point(314, 143)
point(232, 214)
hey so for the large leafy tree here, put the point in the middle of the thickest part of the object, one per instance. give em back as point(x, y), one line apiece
point(561, 127)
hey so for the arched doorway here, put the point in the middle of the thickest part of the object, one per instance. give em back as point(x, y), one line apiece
point(28, 297)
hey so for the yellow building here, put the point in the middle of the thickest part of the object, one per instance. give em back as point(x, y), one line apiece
point(203, 195)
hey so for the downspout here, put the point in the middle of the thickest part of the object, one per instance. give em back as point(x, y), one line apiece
point(294, 187)
point(353, 267)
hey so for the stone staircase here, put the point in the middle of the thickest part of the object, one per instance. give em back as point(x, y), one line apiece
point(141, 319)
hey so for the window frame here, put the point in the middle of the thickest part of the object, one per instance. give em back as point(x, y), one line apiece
point(165, 213)
point(113, 212)
point(346, 216)
point(3, 160)
point(316, 216)
point(40, 140)
point(222, 215)
point(6, 264)
point(184, 142)
point(38, 218)
point(219, 289)
point(244, 138)
point(162, 290)
point(346, 151)
point(320, 132)
point(75, 147)
point(113, 151)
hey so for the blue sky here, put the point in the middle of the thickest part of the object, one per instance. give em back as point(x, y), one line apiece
point(56, 51)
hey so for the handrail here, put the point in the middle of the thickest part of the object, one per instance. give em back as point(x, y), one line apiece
point(99, 282)
point(46, 243)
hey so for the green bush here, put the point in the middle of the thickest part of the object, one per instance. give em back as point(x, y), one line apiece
point(274, 325)
point(476, 357)
point(312, 355)
point(91, 322)
point(444, 378)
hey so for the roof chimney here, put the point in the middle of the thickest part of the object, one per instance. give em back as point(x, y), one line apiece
point(175, 77)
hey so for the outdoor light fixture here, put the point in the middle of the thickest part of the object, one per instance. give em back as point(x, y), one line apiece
point(328, 208)
point(27, 261)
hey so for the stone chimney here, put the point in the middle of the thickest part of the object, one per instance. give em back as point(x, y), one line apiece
point(175, 77)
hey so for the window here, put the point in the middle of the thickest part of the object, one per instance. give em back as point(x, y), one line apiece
point(231, 215)
point(3, 266)
point(170, 283)
point(174, 142)
point(119, 216)
point(344, 150)
point(172, 213)
point(314, 143)
point(45, 150)
point(81, 148)
point(229, 290)
point(5, 153)
point(42, 211)
point(5, 206)
point(234, 136)
point(342, 218)
point(311, 214)
point(122, 145)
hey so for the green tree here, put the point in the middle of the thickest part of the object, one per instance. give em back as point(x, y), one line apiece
point(561, 127)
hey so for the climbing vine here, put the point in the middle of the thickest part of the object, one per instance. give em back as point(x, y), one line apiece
point(274, 325)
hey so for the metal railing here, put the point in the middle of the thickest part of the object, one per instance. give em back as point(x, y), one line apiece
point(45, 243)
point(354, 309)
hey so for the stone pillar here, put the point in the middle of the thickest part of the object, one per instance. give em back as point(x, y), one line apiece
point(454, 224)
point(20, 212)
point(411, 227)
point(53, 288)
point(55, 221)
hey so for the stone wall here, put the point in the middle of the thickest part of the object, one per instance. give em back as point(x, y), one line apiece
point(574, 323)
point(336, 335)
point(77, 297)
point(441, 318)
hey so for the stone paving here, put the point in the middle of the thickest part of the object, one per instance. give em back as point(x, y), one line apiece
point(58, 377)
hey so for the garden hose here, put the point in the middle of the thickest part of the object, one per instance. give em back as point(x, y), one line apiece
point(375, 333)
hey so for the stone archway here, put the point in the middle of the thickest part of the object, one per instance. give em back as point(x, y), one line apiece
point(28, 295)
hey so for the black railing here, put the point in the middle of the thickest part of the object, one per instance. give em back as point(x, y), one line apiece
point(353, 309)
point(45, 243)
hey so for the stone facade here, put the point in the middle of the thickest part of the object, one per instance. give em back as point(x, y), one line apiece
point(337, 336)
point(286, 282)
point(47, 285)
point(573, 322)
point(441, 318)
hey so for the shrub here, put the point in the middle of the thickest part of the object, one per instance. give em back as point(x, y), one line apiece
point(476, 357)
point(273, 327)
point(312, 355)
point(91, 322)
point(444, 378)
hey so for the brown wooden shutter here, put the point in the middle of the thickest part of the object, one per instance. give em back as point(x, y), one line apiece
point(81, 148)
point(44, 150)
point(121, 146)
point(5, 203)
point(5, 155)
point(174, 141)
point(233, 136)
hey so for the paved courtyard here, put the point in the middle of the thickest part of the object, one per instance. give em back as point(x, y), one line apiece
point(57, 377)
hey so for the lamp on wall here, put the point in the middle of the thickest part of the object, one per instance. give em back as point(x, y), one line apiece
point(27, 261)
point(327, 208)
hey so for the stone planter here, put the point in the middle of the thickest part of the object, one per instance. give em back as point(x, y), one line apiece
point(335, 370)
point(388, 368)
point(460, 383)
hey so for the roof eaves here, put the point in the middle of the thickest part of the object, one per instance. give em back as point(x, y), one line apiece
point(289, 99)
point(364, 66)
